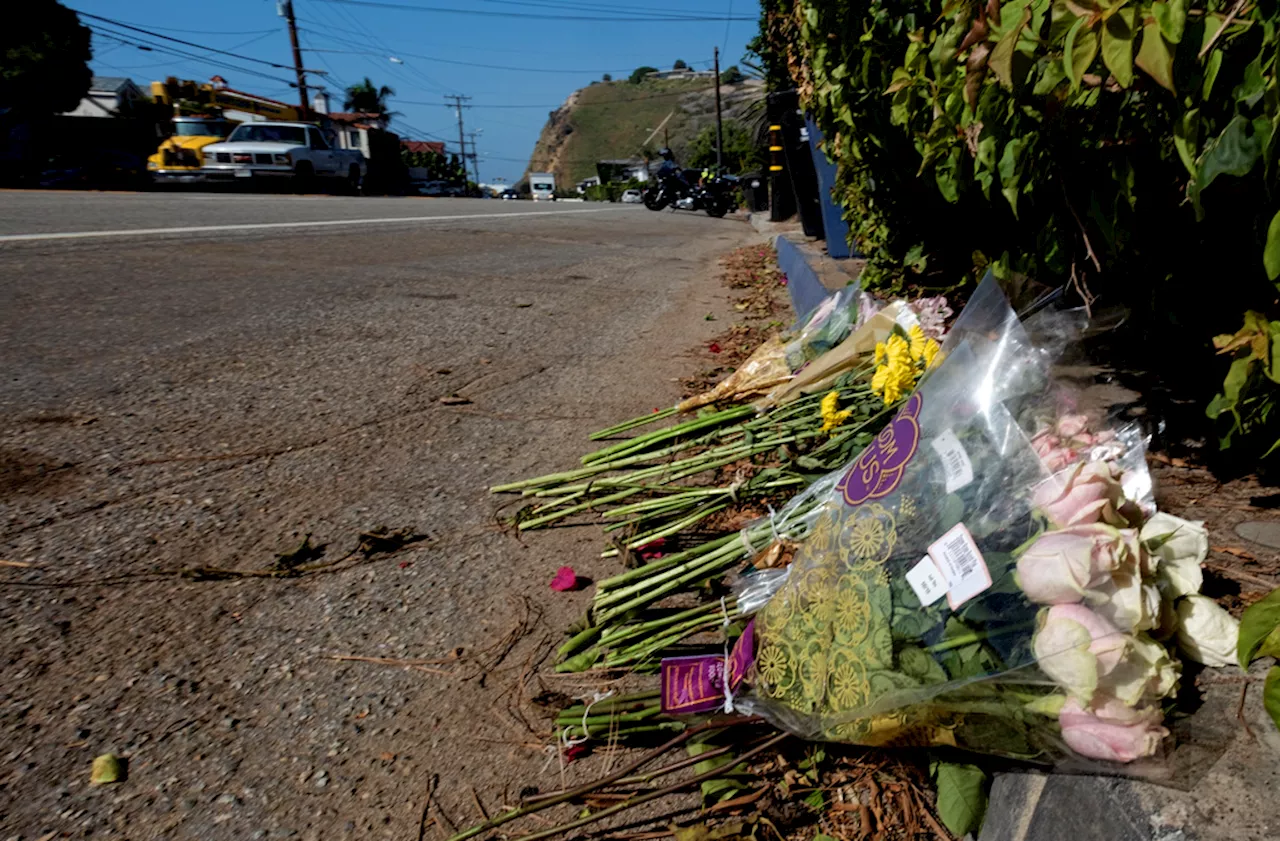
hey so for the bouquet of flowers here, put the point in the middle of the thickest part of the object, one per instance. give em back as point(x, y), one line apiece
point(978, 577)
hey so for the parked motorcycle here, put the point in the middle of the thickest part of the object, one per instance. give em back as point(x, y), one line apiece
point(716, 195)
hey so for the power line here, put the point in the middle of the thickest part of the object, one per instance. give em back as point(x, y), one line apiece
point(662, 95)
point(170, 51)
point(117, 23)
point(378, 4)
point(477, 64)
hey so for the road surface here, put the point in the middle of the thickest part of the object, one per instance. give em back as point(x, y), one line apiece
point(200, 381)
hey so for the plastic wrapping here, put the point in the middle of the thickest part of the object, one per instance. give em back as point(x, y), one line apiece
point(825, 328)
point(778, 358)
point(936, 599)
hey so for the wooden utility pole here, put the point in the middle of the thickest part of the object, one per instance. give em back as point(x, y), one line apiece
point(719, 128)
point(462, 141)
point(286, 7)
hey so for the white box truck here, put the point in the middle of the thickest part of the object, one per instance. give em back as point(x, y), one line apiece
point(542, 186)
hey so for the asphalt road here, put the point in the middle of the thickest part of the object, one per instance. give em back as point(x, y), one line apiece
point(206, 399)
point(66, 216)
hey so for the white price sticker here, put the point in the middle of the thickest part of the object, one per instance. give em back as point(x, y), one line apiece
point(928, 584)
point(955, 460)
point(959, 560)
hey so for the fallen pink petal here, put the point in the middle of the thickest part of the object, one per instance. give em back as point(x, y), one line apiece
point(566, 579)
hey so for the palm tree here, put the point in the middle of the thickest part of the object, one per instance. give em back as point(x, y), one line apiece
point(364, 98)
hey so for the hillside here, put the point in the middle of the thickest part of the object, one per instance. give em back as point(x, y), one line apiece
point(609, 120)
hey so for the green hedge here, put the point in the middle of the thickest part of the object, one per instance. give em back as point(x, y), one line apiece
point(1127, 149)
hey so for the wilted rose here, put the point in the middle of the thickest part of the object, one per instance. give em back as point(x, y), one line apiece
point(1087, 493)
point(1110, 731)
point(1062, 565)
point(1075, 647)
point(1206, 632)
point(1125, 601)
point(1180, 547)
point(1069, 426)
point(1145, 672)
point(1055, 454)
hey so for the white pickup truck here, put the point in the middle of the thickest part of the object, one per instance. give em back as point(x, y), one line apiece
point(299, 151)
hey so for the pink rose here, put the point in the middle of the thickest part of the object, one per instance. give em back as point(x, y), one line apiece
point(1053, 452)
point(1111, 731)
point(1075, 647)
point(1062, 565)
point(1084, 494)
point(1069, 426)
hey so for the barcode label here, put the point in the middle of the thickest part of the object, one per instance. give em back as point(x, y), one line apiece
point(955, 460)
point(927, 582)
point(959, 560)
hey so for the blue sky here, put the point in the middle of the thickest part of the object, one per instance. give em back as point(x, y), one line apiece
point(534, 61)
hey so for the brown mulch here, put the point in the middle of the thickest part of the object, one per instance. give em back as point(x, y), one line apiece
point(761, 299)
point(1238, 572)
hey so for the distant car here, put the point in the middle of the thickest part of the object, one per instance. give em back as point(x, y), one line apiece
point(510, 195)
point(631, 197)
point(431, 188)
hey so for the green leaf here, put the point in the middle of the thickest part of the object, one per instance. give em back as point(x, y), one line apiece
point(1171, 17)
point(1233, 152)
point(945, 175)
point(720, 788)
point(1271, 254)
point(1257, 623)
point(1053, 75)
point(1008, 169)
point(1211, 67)
point(1001, 59)
point(1117, 45)
point(1271, 695)
point(1155, 56)
point(1252, 85)
point(815, 800)
point(962, 797)
point(1079, 52)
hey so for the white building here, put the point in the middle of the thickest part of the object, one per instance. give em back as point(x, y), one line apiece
point(108, 96)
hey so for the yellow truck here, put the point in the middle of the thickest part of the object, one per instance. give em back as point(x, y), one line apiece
point(180, 158)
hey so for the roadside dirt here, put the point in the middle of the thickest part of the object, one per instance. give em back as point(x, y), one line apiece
point(197, 573)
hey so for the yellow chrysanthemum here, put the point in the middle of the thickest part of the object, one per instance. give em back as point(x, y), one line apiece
point(880, 352)
point(832, 415)
point(930, 352)
point(918, 341)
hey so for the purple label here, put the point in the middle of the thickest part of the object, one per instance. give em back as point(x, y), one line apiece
point(696, 684)
point(878, 471)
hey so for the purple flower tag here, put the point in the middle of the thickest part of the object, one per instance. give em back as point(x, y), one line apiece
point(878, 471)
point(696, 684)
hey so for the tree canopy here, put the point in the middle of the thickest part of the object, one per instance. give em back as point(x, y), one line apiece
point(731, 76)
point(44, 59)
point(679, 65)
point(638, 75)
point(741, 153)
point(364, 98)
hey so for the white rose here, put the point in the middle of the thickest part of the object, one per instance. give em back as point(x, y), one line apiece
point(1180, 547)
point(1206, 632)
point(1124, 601)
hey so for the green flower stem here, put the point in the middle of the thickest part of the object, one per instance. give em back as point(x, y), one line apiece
point(632, 802)
point(645, 650)
point(633, 423)
point(670, 500)
point(633, 730)
point(578, 642)
point(536, 522)
point(647, 440)
point(679, 526)
point(664, 562)
point(613, 636)
point(978, 636)
point(716, 564)
point(731, 547)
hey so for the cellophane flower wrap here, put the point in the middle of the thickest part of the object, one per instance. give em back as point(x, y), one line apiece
point(971, 580)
